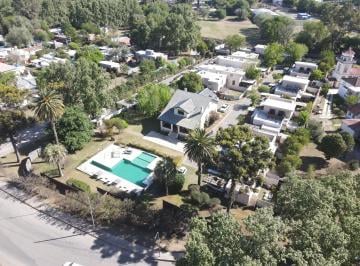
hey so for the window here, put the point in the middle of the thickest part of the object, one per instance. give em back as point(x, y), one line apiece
point(233, 82)
point(166, 125)
point(180, 112)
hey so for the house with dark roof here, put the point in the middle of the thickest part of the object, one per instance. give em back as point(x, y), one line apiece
point(349, 86)
point(186, 111)
point(353, 112)
point(352, 126)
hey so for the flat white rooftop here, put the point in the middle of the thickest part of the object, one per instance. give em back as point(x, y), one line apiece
point(219, 68)
point(279, 103)
point(245, 55)
point(211, 75)
point(307, 64)
point(293, 79)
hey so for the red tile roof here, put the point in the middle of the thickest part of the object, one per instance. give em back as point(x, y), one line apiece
point(355, 109)
point(354, 124)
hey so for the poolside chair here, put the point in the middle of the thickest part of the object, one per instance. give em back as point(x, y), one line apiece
point(115, 154)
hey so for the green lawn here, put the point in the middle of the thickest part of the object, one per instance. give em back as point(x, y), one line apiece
point(229, 26)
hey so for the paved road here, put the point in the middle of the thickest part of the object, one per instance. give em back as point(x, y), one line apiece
point(30, 238)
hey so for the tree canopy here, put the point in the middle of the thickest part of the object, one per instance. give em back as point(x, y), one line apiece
point(190, 81)
point(152, 98)
point(276, 29)
point(314, 222)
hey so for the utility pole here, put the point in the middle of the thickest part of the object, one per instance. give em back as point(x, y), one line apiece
point(91, 210)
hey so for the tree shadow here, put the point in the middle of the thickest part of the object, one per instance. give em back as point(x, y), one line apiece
point(252, 35)
point(318, 162)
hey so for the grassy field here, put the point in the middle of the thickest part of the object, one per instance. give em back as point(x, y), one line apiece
point(228, 26)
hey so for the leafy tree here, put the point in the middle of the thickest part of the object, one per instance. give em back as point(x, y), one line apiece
point(243, 10)
point(277, 29)
point(234, 42)
point(147, 66)
point(19, 36)
point(296, 51)
point(90, 53)
point(165, 171)
point(153, 98)
point(115, 122)
point(176, 184)
point(333, 145)
point(352, 100)
point(56, 154)
point(74, 129)
point(11, 121)
point(349, 141)
point(254, 96)
point(327, 61)
point(190, 81)
point(303, 118)
point(314, 35)
point(243, 155)
point(199, 147)
point(90, 27)
point(202, 47)
point(220, 13)
point(10, 95)
point(252, 73)
point(316, 130)
point(274, 54)
point(264, 89)
point(49, 107)
point(317, 74)
point(7, 78)
point(289, 164)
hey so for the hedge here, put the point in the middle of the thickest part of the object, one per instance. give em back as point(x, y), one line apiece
point(78, 184)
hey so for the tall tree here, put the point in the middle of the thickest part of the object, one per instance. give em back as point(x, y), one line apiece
point(153, 98)
point(190, 81)
point(274, 54)
point(11, 121)
point(199, 147)
point(234, 42)
point(296, 51)
point(49, 107)
point(277, 29)
point(165, 171)
point(243, 156)
point(333, 145)
point(56, 154)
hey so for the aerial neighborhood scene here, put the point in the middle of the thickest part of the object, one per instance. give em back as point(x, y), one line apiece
point(170, 132)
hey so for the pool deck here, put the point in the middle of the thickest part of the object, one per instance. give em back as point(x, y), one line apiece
point(109, 157)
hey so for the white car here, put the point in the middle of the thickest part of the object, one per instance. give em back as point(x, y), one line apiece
point(182, 170)
point(224, 108)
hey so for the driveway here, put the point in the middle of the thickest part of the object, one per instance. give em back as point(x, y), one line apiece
point(166, 141)
point(237, 108)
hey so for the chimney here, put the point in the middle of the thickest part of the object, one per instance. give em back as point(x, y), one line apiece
point(185, 89)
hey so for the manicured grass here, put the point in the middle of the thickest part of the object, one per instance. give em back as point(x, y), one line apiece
point(229, 26)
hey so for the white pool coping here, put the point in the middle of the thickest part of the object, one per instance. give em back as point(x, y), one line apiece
point(109, 157)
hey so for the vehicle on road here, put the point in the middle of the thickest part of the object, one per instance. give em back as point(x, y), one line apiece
point(224, 108)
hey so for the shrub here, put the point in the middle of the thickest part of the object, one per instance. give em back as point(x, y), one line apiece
point(78, 184)
point(252, 72)
point(277, 76)
point(220, 13)
point(241, 119)
point(264, 89)
point(316, 130)
point(176, 184)
point(213, 117)
point(353, 165)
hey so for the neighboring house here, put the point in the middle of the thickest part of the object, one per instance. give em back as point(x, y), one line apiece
point(274, 113)
point(149, 54)
point(46, 60)
point(246, 55)
point(209, 93)
point(302, 69)
point(4, 68)
point(349, 86)
point(263, 11)
point(244, 194)
point(221, 49)
point(233, 76)
point(292, 86)
point(352, 126)
point(260, 49)
point(110, 65)
point(213, 81)
point(235, 62)
point(186, 111)
point(345, 66)
point(353, 112)
point(270, 134)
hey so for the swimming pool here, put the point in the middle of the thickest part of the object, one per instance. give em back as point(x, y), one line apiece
point(135, 171)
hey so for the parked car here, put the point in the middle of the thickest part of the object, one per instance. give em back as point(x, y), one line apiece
point(224, 108)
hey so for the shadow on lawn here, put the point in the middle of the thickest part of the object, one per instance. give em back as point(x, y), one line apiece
point(317, 162)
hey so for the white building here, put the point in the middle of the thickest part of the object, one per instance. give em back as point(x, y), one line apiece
point(274, 113)
point(246, 55)
point(233, 76)
point(149, 54)
point(230, 61)
point(46, 60)
point(244, 194)
point(213, 81)
point(349, 86)
point(345, 66)
point(260, 49)
point(302, 69)
point(292, 86)
point(110, 65)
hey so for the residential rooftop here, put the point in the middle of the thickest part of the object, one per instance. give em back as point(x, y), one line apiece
point(279, 103)
point(293, 79)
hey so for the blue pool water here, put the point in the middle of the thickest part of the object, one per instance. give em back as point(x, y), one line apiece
point(134, 171)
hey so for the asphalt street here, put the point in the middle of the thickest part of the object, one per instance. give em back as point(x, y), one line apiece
point(28, 238)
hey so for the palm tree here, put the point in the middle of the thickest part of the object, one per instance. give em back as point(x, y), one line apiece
point(55, 154)
point(165, 170)
point(49, 107)
point(199, 147)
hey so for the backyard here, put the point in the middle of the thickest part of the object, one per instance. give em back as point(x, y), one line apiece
point(220, 29)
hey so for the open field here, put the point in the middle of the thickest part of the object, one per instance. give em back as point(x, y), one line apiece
point(228, 26)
